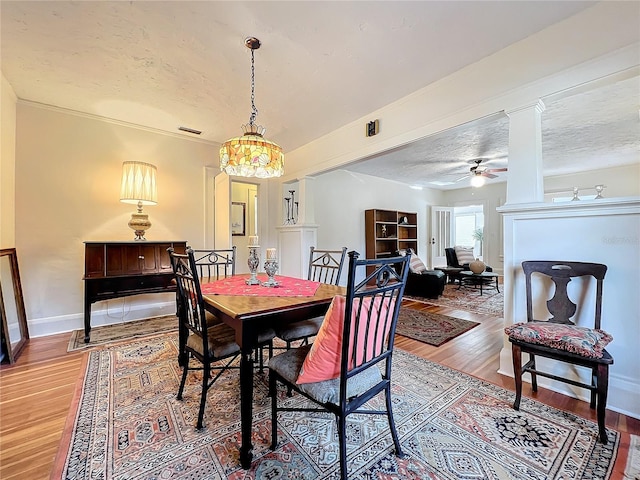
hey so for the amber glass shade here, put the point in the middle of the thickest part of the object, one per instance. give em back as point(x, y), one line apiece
point(251, 155)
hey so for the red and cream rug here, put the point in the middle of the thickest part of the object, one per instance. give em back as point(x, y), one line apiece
point(432, 328)
point(491, 302)
point(127, 424)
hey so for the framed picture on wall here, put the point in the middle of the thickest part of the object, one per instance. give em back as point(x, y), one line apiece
point(238, 218)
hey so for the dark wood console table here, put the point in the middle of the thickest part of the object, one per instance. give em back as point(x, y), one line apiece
point(120, 269)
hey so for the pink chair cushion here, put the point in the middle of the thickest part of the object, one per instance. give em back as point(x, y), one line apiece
point(323, 360)
point(587, 342)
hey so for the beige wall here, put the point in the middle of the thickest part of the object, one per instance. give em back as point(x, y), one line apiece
point(68, 170)
point(7, 164)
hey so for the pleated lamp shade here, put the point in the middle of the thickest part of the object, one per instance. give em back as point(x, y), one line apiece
point(139, 183)
point(139, 187)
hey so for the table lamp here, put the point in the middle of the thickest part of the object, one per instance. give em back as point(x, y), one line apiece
point(139, 188)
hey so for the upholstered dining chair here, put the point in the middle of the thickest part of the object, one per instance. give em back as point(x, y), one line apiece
point(559, 338)
point(325, 266)
point(205, 343)
point(338, 375)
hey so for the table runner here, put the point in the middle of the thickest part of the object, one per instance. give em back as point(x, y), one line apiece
point(235, 285)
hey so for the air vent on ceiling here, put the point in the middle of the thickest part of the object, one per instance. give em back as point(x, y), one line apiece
point(190, 130)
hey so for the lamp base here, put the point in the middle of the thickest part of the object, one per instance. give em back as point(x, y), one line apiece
point(139, 223)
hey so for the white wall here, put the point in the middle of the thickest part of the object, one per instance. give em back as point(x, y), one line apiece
point(68, 170)
point(604, 231)
point(7, 164)
point(618, 181)
point(341, 198)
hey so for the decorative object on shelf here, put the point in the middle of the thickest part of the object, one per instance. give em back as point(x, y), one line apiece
point(575, 194)
point(291, 206)
point(271, 267)
point(252, 155)
point(138, 187)
point(384, 231)
point(253, 261)
point(403, 221)
point(599, 189)
point(477, 266)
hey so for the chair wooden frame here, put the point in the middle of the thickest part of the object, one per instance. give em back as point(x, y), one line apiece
point(386, 281)
point(562, 309)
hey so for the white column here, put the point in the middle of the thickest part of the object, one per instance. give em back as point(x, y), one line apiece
point(524, 178)
point(294, 241)
point(306, 207)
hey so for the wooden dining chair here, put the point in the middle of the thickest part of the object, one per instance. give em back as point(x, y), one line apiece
point(205, 343)
point(325, 266)
point(559, 338)
point(340, 376)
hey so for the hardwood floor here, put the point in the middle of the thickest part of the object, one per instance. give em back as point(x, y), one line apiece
point(36, 393)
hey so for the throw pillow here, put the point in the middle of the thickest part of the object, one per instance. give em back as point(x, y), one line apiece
point(464, 254)
point(323, 360)
point(415, 265)
point(588, 342)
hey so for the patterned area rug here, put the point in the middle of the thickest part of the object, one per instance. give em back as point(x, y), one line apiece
point(122, 331)
point(432, 328)
point(129, 425)
point(468, 299)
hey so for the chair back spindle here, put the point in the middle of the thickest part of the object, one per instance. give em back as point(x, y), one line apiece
point(325, 266)
point(215, 264)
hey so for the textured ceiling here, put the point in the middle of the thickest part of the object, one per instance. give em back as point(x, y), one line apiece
point(322, 65)
point(590, 130)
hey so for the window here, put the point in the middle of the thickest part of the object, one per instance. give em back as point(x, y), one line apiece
point(469, 226)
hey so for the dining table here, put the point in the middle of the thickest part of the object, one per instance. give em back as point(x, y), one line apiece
point(251, 309)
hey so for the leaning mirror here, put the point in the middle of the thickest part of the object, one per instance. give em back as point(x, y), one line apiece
point(14, 320)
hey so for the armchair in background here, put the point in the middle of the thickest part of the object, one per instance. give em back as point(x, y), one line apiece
point(459, 258)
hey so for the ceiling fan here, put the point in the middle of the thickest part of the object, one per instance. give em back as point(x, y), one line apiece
point(478, 174)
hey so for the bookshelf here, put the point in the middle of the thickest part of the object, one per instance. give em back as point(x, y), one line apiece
point(389, 230)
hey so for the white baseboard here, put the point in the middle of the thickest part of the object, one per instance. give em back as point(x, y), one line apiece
point(44, 326)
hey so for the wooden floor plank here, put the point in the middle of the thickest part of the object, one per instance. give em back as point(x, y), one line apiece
point(36, 393)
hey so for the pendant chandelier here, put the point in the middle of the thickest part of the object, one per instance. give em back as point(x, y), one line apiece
point(252, 155)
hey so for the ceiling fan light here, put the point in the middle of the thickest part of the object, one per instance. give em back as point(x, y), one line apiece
point(477, 181)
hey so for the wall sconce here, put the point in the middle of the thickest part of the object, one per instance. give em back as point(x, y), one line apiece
point(139, 188)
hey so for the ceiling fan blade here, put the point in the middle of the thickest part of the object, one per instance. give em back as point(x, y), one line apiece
point(462, 178)
point(495, 170)
point(488, 175)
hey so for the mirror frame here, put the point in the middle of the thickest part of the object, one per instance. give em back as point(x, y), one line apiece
point(14, 351)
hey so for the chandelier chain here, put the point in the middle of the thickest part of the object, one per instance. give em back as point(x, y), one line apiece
point(254, 110)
